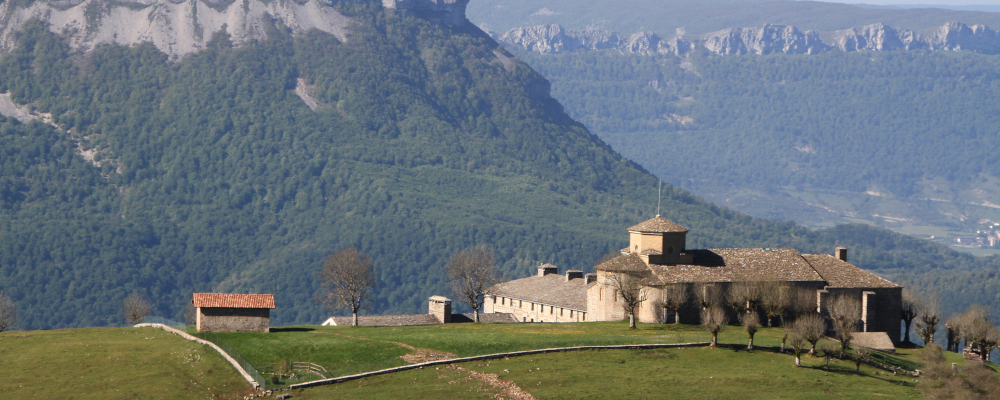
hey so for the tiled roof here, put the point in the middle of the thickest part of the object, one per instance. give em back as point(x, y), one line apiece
point(232, 300)
point(841, 274)
point(484, 318)
point(873, 340)
point(658, 224)
point(551, 289)
point(386, 320)
point(734, 265)
point(624, 263)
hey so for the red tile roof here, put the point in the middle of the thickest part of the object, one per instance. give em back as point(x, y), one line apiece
point(231, 300)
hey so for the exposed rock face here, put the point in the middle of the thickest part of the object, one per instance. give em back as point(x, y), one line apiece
point(175, 27)
point(450, 12)
point(550, 39)
point(765, 40)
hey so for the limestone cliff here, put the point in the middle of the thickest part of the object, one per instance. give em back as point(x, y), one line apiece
point(549, 39)
point(767, 39)
point(179, 27)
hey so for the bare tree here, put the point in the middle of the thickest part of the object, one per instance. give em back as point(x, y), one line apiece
point(709, 295)
point(811, 328)
point(954, 335)
point(797, 342)
point(910, 309)
point(744, 296)
point(8, 312)
point(798, 301)
point(978, 330)
point(773, 299)
point(190, 314)
point(135, 308)
point(828, 351)
point(861, 355)
point(751, 324)
point(348, 279)
point(629, 292)
point(473, 273)
point(714, 319)
point(675, 297)
point(845, 311)
point(929, 319)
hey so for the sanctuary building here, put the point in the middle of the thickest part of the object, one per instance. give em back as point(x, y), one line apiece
point(658, 255)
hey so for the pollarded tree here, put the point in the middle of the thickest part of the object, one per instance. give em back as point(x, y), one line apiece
point(744, 296)
point(348, 277)
point(811, 328)
point(861, 355)
point(674, 299)
point(845, 312)
point(978, 330)
point(928, 319)
point(135, 308)
point(774, 299)
point(8, 312)
point(953, 333)
point(798, 343)
point(751, 324)
point(473, 272)
point(629, 291)
point(709, 295)
point(910, 309)
point(714, 319)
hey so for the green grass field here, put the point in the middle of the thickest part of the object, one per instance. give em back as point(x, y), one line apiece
point(151, 363)
point(113, 363)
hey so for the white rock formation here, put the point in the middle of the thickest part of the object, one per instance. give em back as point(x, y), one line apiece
point(176, 28)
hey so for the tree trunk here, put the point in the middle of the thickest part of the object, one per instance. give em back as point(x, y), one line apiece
point(906, 334)
point(812, 349)
point(715, 339)
point(798, 363)
point(354, 320)
point(750, 345)
point(827, 365)
point(475, 315)
point(857, 368)
point(783, 340)
point(677, 317)
point(631, 320)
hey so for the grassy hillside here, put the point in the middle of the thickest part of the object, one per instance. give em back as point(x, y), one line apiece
point(116, 363)
point(697, 17)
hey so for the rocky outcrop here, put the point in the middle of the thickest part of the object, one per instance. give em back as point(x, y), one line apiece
point(175, 27)
point(550, 39)
point(449, 12)
point(765, 40)
point(768, 39)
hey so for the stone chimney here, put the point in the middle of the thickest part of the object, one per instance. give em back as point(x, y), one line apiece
point(590, 278)
point(440, 308)
point(573, 274)
point(841, 253)
point(546, 269)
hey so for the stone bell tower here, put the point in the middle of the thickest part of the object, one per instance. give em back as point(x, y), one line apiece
point(659, 241)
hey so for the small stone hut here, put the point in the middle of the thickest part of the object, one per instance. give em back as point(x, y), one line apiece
point(228, 312)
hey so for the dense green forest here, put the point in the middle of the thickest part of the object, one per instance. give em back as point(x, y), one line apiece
point(694, 17)
point(215, 176)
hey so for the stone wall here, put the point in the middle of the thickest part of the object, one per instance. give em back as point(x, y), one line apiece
point(883, 308)
point(527, 311)
point(233, 319)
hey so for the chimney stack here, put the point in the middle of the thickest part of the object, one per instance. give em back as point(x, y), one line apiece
point(841, 253)
point(546, 269)
point(590, 278)
point(440, 308)
point(573, 274)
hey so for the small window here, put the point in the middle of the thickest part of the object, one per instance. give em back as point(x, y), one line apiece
point(494, 300)
point(670, 249)
point(636, 247)
point(571, 313)
point(532, 306)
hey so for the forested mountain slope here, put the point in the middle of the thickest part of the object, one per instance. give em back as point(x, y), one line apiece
point(210, 173)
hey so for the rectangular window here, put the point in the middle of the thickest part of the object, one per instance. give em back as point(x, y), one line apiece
point(571, 313)
point(532, 306)
point(561, 311)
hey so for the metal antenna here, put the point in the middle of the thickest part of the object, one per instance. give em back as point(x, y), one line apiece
point(659, 194)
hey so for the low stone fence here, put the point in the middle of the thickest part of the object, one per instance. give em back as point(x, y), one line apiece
point(490, 357)
point(225, 355)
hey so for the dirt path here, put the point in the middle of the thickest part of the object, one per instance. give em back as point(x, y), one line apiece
point(418, 355)
point(508, 389)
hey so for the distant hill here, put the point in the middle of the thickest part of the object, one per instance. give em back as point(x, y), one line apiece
point(238, 166)
point(699, 17)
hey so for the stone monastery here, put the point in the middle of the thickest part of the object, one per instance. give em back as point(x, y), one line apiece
point(657, 253)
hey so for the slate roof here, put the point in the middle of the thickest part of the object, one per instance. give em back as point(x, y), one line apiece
point(734, 265)
point(624, 263)
point(417, 319)
point(657, 224)
point(551, 289)
point(232, 300)
point(873, 340)
point(841, 274)
point(385, 320)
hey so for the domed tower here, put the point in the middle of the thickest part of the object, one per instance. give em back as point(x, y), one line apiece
point(659, 241)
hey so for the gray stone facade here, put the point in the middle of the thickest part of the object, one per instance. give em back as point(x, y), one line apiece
point(221, 319)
